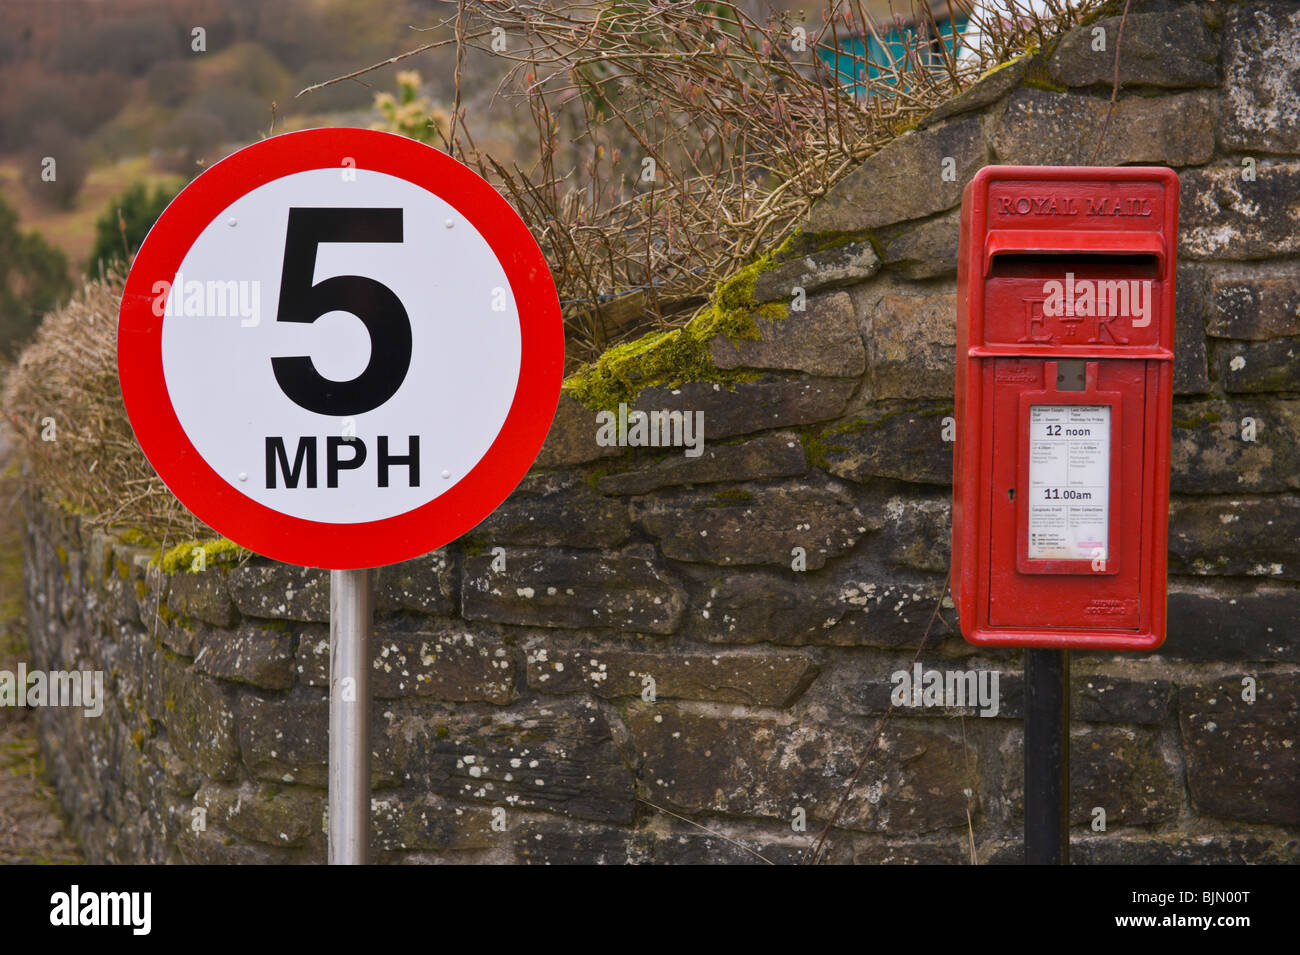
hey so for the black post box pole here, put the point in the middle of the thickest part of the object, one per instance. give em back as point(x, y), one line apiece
point(1047, 757)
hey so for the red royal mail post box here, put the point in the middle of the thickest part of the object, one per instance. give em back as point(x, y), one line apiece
point(1065, 333)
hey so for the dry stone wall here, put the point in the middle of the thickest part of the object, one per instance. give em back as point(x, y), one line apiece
point(639, 633)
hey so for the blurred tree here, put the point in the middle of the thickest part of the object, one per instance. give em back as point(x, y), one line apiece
point(192, 137)
point(78, 102)
point(33, 280)
point(138, 210)
point(54, 166)
point(9, 49)
point(126, 45)
point(250, 68)
point(240, 113)
point(170, 81)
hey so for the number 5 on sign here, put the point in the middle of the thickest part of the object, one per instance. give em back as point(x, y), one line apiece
point(386, 321)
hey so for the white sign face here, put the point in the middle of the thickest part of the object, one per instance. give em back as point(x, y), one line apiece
point(1069, 482)
point(314, 400)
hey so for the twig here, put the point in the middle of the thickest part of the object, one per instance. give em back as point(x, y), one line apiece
point(460, 50)
point(712, 832)
point(374, 66)
point(1114, 88)
point(970, 789)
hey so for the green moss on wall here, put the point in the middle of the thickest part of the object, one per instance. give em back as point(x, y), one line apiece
point(669, 359)
point(788, 248)
point(593, 475)
point(731, 496)
point(814, 450)
point(181, 557)
point(1042, 84)
point(136, 538)
point(817, 447)
point(1111, 8)
point(1198, 421)
point(1001, 66)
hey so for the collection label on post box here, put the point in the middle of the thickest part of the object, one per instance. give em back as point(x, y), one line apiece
point(1065, 298)
point(1069, 482)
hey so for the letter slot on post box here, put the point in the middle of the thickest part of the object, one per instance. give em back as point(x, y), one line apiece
point(1065, 326)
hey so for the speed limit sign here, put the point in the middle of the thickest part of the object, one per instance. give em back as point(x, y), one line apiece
point(340, 348)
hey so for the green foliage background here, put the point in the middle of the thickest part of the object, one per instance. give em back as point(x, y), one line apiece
point(139, 210)
point(33, 280)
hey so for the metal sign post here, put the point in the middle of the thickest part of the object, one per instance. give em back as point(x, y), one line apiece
point(349, 768)
point(1047, 757)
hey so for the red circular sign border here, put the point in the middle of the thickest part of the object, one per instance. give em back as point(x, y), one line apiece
point(313, 543)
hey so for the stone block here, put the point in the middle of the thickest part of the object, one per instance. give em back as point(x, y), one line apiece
point(911, 335)
point(1254, 301)
point(755, 524)
point(1261, 67)
point(556, 508)
point(814, 269)
point(1224, 215)
point(821, 340)
point(1171, 49)
point(553, 588)
point(1215, 451)
point(916, 175)
point(900, 440)
point(1045, 128)
point(258, 656)
point(1252, 537)
point(751, 678)
point(1242, 757)
point(694, 762)
point(776, 455)
point(281, 592)
point(553, 756)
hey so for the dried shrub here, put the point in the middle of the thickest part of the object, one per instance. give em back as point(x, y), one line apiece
point(64, 402)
